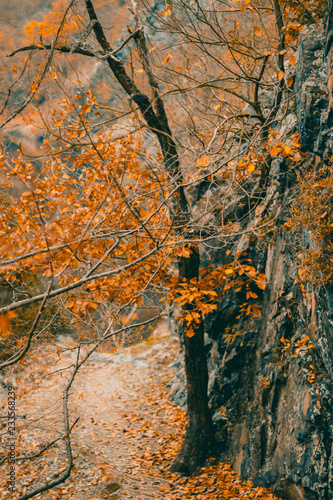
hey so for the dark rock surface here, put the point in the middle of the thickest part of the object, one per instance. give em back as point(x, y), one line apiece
point(272, 399)
point(311, 93)
point(278, 424)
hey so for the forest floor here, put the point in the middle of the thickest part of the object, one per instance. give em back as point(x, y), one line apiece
point(127, 434)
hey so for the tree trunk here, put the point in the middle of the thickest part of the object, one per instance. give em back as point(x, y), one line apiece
point(199, 432)
point(198, 440)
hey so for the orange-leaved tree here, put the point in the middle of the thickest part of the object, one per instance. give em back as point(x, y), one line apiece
point(122, 242)
point(111, 203)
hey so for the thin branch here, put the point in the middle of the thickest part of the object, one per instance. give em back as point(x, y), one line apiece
point(68, 428)
point(19, 355)
point(38, 83)
point(46, 447)
point(85, 279)
point(159, 125)
point(143, 55)
point(257, 106)
point(67, 49)
point(79, 48)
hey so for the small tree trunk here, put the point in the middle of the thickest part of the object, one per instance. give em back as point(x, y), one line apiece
point(198, 441)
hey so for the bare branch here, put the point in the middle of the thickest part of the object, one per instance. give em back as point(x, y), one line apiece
point(82, 48)
point(67, 49)
point(68, 429)
point(32, 92)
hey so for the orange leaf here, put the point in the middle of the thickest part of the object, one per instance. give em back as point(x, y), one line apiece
point(265, 382)
point(5, 323)
point(275, 151)
point(290, 81)
point(167, 12)
point(280, 75)
point(190, 332)
point(292, 59)
point(203, 162)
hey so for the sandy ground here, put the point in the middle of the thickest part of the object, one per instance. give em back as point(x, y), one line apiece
point(124, 418)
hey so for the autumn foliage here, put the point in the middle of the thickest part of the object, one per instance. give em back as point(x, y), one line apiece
point(46, 29)
point(128, 181)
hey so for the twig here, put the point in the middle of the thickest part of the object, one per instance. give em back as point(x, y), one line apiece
point(31, 94)
point(68, 428)
point(19, 355)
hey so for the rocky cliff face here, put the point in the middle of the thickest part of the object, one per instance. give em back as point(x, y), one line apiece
point(278, 423)
point(274, 382)
point(311, 93)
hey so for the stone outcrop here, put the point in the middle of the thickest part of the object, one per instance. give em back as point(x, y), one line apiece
point(312, 93)
point(277, 426)
point(277, 423)
point(271, 388)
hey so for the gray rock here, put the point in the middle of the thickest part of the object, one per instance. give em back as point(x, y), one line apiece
point(176, 386)
point(276, 426)
point(311, 93)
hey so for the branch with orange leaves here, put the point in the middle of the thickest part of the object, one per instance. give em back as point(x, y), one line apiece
point(40, 79)
point(19, 355)
point(85, 279)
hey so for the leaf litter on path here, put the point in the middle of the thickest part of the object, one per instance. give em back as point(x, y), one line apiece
point(127, 436)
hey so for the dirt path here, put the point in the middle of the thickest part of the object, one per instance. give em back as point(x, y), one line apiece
point(127, 434)
point(119, 399)
point(115, 396)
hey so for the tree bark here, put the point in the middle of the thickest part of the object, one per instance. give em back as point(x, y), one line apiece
point(198, 441)
point(329, 53)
